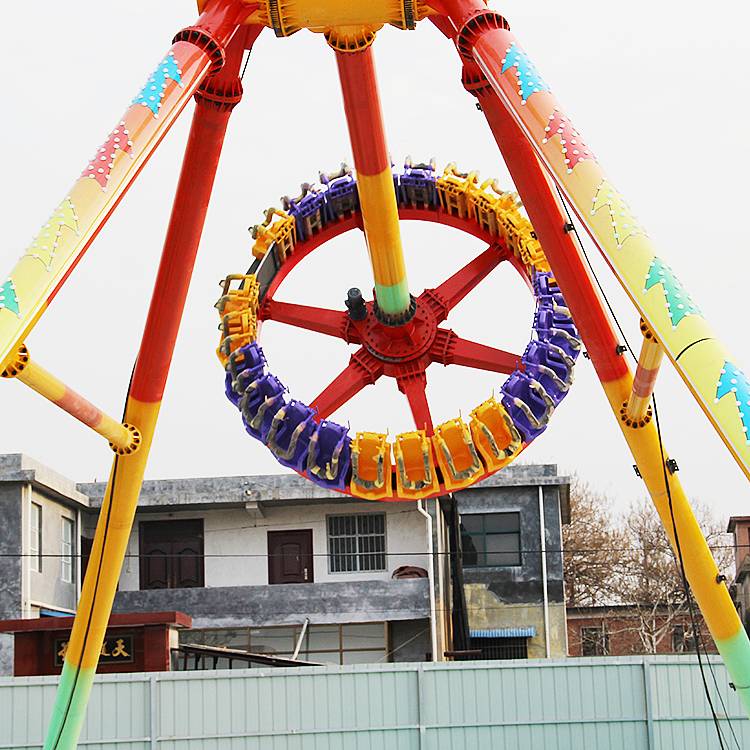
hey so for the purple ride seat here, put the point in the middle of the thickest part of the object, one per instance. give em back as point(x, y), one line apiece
point(245, 365)
point(417, 185)
point(542, 361)
point(262, 399)
point(527, 403)
point(342, 196)
point(329, 458)
point(289, 436)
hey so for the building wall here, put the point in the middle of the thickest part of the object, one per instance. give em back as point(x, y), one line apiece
point(623, 634)
point(513, 596)
point(486, 611)
point(11, 566)
point(46, 588)
point(237, 532)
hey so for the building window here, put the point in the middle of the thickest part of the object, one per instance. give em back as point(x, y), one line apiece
point(171, 554)
point(355, 643)
point(683, 640)
point(356, 543)
point(491, 539)
point(595, 641)
point(501, 648)
point(35, 537)
point(67, 550)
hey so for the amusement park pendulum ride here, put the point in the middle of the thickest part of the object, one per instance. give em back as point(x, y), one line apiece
point(398, 335)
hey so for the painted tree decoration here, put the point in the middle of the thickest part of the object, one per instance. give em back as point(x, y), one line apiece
point(100, 166)
point(8, 298)
point(624, 224)
point(529, 80)
point(678, 301)
point(153, 92)
point(733, 380)
point(45, 244)
point(574, 149)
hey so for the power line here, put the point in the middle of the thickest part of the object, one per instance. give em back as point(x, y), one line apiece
point(401, 553)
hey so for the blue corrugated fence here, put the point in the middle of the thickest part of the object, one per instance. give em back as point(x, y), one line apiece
point(654, 703)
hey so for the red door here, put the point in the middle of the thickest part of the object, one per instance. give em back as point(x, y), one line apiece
point(290, 556)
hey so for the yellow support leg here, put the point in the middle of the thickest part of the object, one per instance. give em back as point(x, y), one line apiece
point(703, 575)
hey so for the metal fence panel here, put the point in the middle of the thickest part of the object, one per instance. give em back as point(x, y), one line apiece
point(653, 703)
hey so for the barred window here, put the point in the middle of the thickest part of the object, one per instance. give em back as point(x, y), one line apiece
point(356, 543)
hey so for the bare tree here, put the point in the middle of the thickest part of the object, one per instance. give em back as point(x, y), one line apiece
point(651, 579)
point(592, 547)
point(625, 563)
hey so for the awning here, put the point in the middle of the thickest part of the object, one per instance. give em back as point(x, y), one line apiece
point(504, 633)
point(53, 613)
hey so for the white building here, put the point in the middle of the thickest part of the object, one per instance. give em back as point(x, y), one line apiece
point(276, 564)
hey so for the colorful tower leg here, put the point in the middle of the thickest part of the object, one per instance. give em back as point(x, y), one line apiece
point(214, 103)
point(377, 196)
point(707, 368)
point(79, 216)
point(564, 255)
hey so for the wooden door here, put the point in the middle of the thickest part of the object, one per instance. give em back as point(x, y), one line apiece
point(290, 556)
point(171, 554)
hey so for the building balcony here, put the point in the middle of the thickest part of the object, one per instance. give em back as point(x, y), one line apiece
point(287, 604)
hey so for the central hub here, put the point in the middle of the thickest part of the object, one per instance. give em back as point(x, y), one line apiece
point(397, 343)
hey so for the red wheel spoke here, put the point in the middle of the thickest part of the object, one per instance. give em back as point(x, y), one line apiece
point(448, 294)
point(451, 349)
point(363, 369)
point(414, 387)
point(318, 319)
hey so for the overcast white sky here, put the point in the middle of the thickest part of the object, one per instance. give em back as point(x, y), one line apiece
point(656, 90)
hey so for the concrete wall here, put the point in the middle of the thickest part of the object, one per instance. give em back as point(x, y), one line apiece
point(237, 532)
point(290, 604)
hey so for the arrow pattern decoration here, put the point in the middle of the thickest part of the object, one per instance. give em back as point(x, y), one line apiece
point(733, 380)
point(100, 166)
point(678, 301)
point(624, 224)
point(45, 244)
point(8, 298)
point(153, 92)
point(574, 149)
point(529, 80)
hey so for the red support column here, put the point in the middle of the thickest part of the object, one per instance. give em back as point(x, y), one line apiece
point(560, 245)
point(215, 100)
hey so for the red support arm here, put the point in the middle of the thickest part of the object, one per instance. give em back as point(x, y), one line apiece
point(448, 294)
point(318, 319)
point(414, 387)
point(451, 349)
point(363, 369)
